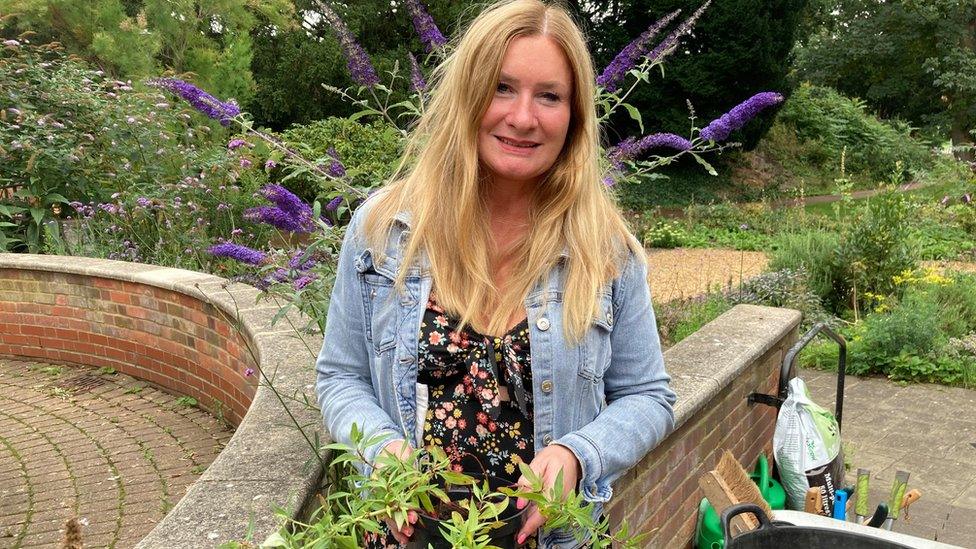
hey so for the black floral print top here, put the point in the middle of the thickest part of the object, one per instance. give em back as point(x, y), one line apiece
point(466, 375)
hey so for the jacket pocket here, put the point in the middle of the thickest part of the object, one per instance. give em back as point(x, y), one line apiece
point(596, 342)
point(379, 302)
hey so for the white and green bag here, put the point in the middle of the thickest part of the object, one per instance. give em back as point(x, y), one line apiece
point(806, 446)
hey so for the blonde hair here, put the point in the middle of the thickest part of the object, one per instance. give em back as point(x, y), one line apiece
point(442, 186)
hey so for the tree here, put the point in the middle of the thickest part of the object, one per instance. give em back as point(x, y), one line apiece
point(738, 48)
point(140, 38)
point(912, 59)
point(290, 66)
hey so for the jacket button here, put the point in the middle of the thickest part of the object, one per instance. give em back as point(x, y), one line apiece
point(542, 323)
point(610, 318)
point(547, 440)
point(547, 386)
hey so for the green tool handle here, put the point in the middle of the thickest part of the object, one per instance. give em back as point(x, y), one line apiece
point(861, 492)
point(897, 493)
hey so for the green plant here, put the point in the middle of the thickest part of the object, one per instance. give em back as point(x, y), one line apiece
point(186, 402)
point(664, 234)
point(678, 319)
point(815, 253)
point(369, 151)
point(106, 371)
point(876, 247)
point(356, 503)
point(783, 288)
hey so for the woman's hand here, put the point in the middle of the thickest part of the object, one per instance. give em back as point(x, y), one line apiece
point(403, 450)
point(546, 465)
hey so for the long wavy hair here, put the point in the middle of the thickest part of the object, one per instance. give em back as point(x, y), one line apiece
point(442, 185)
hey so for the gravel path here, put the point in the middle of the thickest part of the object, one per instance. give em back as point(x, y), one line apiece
point(681, 273)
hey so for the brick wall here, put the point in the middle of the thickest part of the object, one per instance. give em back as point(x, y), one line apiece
point(713, 372)
point(158, 335)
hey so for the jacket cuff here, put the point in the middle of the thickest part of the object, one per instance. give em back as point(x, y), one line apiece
point(591, 467)
point(373, 452)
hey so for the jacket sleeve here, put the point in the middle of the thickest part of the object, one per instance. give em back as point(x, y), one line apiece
point(637, 390)
point(344, 384)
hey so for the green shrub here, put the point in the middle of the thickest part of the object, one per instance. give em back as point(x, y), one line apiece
point(69, 133)
point(369, 152)
point(783, 288)
point(664, 234)
point(876, 247)
point(678, 319)
point(829, 124)
point(816, 254)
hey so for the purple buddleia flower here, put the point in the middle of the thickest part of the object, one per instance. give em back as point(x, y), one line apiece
point(334, 203)
point(670, 41)
point(199, 99)
point(417, 81)
point(238, 252)
point(719, 129)
point(287, 201)
point(236, 144)
point(296, 263)
point(631, 148)
point(276, 217)
point(303, 281)
point(336, 169)
point(617, 70)
point(424, 24)
point(270, 165)
point(357, 61)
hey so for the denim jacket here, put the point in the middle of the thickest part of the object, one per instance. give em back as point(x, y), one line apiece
point(606, 398)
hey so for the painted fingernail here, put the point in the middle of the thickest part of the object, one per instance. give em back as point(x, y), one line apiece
point(521, 539)
point(519, 503)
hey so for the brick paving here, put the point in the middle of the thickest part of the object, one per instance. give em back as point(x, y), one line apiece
point(94, 444)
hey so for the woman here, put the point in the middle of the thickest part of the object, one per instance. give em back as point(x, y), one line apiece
point(491, 299)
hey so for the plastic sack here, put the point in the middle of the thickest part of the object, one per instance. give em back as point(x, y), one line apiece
point(806, 447)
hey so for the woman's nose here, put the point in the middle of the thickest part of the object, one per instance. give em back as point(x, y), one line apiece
point(521, 114)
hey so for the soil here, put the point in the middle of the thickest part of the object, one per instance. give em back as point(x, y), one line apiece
point(681, 273)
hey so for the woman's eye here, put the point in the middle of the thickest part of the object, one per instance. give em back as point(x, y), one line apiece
point(503, 88)
point(549, 96)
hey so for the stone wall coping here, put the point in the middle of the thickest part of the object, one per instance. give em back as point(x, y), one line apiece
point(705, 362)
point(268, 463)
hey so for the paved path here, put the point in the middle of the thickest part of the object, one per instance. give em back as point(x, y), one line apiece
point(927, 430)
point(97, 445)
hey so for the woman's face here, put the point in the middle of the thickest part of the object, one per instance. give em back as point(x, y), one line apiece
point(525, 126)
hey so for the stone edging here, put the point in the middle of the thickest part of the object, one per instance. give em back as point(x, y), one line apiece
point(268, 463)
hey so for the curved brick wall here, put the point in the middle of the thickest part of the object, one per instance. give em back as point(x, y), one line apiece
point(192, 334)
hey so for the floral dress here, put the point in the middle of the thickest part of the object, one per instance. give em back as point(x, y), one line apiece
point(466, 375)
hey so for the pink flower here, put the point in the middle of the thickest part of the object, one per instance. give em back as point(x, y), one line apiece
point(435, 338)
point(248, 372)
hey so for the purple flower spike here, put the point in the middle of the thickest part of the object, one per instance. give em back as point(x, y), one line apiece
point(296, 263)
point(238, 252)
point(334, 203)
point(719, 129)
point(668, 44)
point(613, 76)
point(286, 200)
point(417, 81)
point(236, 144)
point(303, 281)
point(336, 169)
point(631, 148)
point(199, 99)
point(424, 24)
point(357, 61)
point(276, 217)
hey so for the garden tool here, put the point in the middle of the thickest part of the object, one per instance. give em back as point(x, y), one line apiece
point(861, 495)
point(895, 500)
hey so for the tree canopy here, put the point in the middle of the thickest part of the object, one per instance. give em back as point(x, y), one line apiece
point(911, 59)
